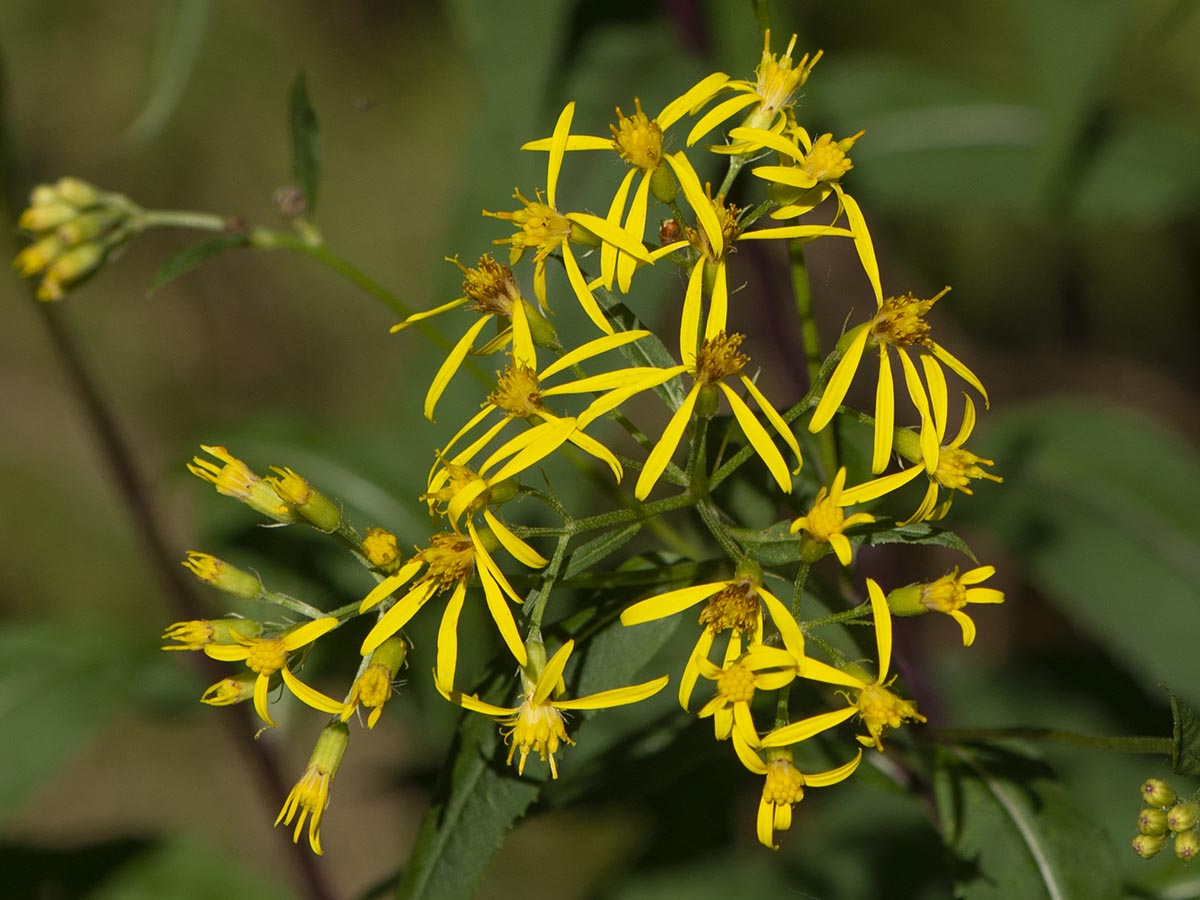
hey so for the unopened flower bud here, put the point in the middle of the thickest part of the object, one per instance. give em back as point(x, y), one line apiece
point(234, 479)
point(1187, 845)
point(229, 691)
point(313, 506)
point(1146, 845)
point(1156, 792)
point(197, 633)
point(907, 443)
point(77, 192)
point(85, 227)
point(1183, 816)
point(223, 576)
point(906, 601)
point(46, 216)
point(38, 255)
point(663, 184)
point(75, 264)
point(1152, 821)
point(382, 550)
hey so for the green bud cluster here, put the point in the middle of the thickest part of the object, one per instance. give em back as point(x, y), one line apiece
point(75, 226)
point(1164, 817)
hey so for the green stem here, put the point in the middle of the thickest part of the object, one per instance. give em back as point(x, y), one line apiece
point(1150, 745)
point(172, 218)
point(538, 607)
point(297, 606)
point(798, 587)
point(813, 358)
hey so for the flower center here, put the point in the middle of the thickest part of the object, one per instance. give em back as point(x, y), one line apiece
point(827, 161)
point(538, 727)
point(719, 358)
point(825, 518)
point(541, 227)
point(880, 710)
point(727, 216)
point(778, 79)
point(491, 286)
point(944, 595)
point(735, 684)
point(734, 607)
point(901, 321)
point(375, 685)
point(956, 467)
point(450, 558)
point(784, 784)
point(517, 392)
point(267, 655)
point(638, 138)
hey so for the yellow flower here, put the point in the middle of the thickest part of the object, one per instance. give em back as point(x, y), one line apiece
point(734, 605)
point(493, 293)
point(949, 594)
point(310, 796)
point(545, 230)
point(877, 707)
point(198, 633)
point(269, 655)
point(373, 688)
point(223, 576)
point(449, 561)
point(382, 550)
point(233, 478)
point(951, 466)
point(639, 141)
point(826, 522)
point(784, 787)
point(770, 95)
point(899, 324)
point(228, 691)
point(718, 358)
point(538, 724)
point(520, 394)
point(760, 668)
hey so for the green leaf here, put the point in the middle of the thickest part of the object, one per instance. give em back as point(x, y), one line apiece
point(306, 143)
point(1185, 749)
point(59, 683)
point(190, 257)
point(771, 546)
point(917, 533)
point(593, 551)
point(1103, 505)
point(1014, 831)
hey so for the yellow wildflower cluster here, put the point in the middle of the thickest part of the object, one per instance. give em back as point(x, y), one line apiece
point(559, 399)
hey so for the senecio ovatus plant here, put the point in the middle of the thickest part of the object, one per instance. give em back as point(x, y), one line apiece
point(572, 397)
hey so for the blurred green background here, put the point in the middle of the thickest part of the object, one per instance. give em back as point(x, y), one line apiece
point(1041, 157)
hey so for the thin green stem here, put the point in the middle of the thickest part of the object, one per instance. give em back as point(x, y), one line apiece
point(798, 587)
point(1149, 745)
point(538, 607)
point(297, 606)
point(174, 218)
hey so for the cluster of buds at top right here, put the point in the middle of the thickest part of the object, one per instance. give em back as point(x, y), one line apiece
point(75, 226)
point(1165, 815)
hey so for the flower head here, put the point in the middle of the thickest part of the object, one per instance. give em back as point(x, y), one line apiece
point(268, 656)
point(233, 478)
point(373, 688)
point(899, 325)
point(537, 724)
point(759, 668)
point(310, 796)
point(877, 707)
point(719, 358)
point(826, 522)
point(784, 787)
point(948, 594)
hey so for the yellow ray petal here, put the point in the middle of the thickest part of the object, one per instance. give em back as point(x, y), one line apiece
point(776, 420)
point(523, 353)
point(701, 205)
point(792, 176)
point(961, 370)
point(391, 583)
point(614, 398)
point(862, 243)
point(759, 439)
point(583, 293)
point(558, 145)
point(428, 314)
point(450, 365)
point(770, 140)
point(720, 113)
point(885, 413)
point(833, 776)
point(807, 728)
point(670, 603)
point(310, 696)
point(689, 322)
point(517, 548)
point(592, 348)
point(617, 696)
point(839, 381)
point(883, 628)
point(309, 632)
point(552, 674)
point(660, 456)
point(694, 97)
point(718, 304)
point(593, 447)
point(636, 226)
point(616, 210)
point(574, 142)
point(398, 616)
point(506, 625)
point(606, 231)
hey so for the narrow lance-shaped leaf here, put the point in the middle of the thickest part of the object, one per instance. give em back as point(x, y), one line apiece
point(306, 143)
point(190, 257)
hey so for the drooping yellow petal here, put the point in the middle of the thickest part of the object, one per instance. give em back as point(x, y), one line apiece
point(815, 670)
point(776, 420)
point(661, 455)
point(390, 584)
point(885, 413)
point(792, 176)
point(691, 671)
point(931, 434)
point(583, 293)
point(606, 381)
point(833, 776)
point(487, 568)
point(310, 696)
point(789, 630)
point(968, 423)
point(718, 304)
point(463, 456)
point(451, 364)
point(961, 370)
point(759, 439)
point(614, 398)
point(872, 490)
point(670, 603)
point(796, 732)
point(471, 702)
point(517, 548)
point(558, 145)
point(706, 216)
point(617, 236)
point(689, 321)
point(226, 652)
point(768, 139)
point(616, 211)
point(720, 113)
point(462, 501)
point(883, 628)
point(552, 674)
point(636, 226)
point(260, 699)
point(593, 447)
point(592, 348)
point(793, 232)
point(967, 624)
point(617, 696)
point(308, 632)
point(749, 758)
point(839, 381)
point(862, 242)
point(506, 625)
point(935, 380)
point(398, 616)
point(428, 314)
point(694, 97)
point(551, 436)
point(523, 353)
point(841, 547)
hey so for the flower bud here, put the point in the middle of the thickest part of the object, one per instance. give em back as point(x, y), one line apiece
point(315, 508)
point(543, 333)
point(906, 601)
point(1183, 816)
point(85, 227)
point(373, 688)
point(75, 264)
point(311, 793)
point(234, 479)
point(907, 443)
point(1156, 792)
point(223, 576)
point(1146, 846)
point(1187, 845)
point(229, 691)
point(1152, 821)
point(381, 550)
point(663, 184)
point(197, 633)
point(77, 192)
point(46, 216)
point(38, 255)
